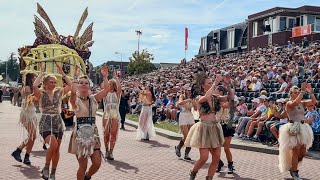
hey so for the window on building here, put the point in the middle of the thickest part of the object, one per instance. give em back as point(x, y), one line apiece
point(291, 23)
point(274, 27)
point(317, 24)
point(204, 45)
point(231, 37)
point(266, 23)
point(255, 29)
point(283, 23)
point(118, 66)
point(301, 21)
point(311, 20)
point(298, 21)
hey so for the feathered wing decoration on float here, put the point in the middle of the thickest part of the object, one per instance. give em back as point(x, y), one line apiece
point(43, 14)
point(50, 47)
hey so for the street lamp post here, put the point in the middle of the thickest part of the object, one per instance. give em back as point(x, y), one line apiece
point(139, 33)
point(121, 61)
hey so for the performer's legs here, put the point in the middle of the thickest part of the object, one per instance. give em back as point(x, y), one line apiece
point(113, 136)
point(96, 163)
point(83, 162)
point(215, 153)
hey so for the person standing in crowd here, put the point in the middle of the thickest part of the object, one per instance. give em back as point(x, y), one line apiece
point(295, 137)
point(1, 94)
point(224, 117)
point(186, 121)
point(28, 119)
point(124, 107)
point(11, 94)
point(85, 141)
point(207, 135)
point(111, 116)
point(305, 42)
point(51, 126)
point(146, 129)
point(15, 96)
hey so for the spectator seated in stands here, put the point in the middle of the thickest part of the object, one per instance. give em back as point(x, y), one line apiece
point(243, 121)
point(266, 115)
point(280, 116)
point(170, 109)
point(284, 84)
point(257, 86)
point(313, 118)
point(241, 109)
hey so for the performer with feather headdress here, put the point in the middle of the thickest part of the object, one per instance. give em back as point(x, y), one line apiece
point(207, 135)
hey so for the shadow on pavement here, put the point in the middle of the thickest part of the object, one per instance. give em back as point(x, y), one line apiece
point(41, 153)
point(31, 172)
point(206, 165)
point(234, 176)
point(122, 166)
point(128, 130)
point(155, 144)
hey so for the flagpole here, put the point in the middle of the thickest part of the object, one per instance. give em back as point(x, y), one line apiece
point(186, 43)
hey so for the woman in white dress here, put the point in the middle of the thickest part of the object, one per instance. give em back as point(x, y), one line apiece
point(28, 120)
point(111, 116)
point(295, 137)
point(85, 141)
point(186, 120)
point(145, 129)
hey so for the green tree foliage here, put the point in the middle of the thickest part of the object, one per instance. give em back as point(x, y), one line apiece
point(140, 63)
point(12, 68)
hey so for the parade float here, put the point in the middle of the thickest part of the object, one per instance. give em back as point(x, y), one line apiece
point(51, 48)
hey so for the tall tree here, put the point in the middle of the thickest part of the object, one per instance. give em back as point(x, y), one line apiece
point(12, 68)
point(140, 63)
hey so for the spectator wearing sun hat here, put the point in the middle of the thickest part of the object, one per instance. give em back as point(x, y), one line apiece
point(313, 118)
point(259, 121)
point(243, 121)
point(241, 109)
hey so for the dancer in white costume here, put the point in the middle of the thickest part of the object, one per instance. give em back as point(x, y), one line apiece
point(145, 129)
point(185, 121)
point(28, 120)
point(85, 141)
point(295, 137)
point(51, 125)
point(111, 116)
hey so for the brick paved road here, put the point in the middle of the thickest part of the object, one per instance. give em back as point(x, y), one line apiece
point(135, 160)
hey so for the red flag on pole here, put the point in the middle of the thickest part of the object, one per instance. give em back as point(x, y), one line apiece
point(186, 39)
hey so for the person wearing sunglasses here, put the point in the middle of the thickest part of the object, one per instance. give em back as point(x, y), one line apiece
point(295, 137)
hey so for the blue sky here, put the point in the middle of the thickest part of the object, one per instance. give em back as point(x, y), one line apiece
point(115, 21)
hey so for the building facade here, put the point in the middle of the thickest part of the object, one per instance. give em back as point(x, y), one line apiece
point(269, 27)
point(231, 39)
point(274, 26)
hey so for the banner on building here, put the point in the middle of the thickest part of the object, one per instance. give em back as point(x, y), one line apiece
point(301, 30)
point(186, 39)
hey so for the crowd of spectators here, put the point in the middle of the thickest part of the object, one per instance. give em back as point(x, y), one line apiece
point(262, 79)
point(13, 94)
